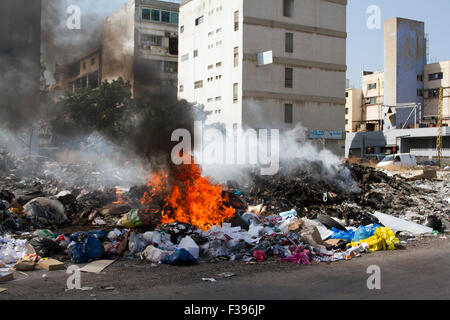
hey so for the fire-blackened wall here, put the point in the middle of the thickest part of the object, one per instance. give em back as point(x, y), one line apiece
point(20, 43)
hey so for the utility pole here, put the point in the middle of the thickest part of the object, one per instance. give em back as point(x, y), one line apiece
point(439, 126)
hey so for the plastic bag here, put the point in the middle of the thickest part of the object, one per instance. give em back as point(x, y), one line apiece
point(155, 255)
point(44, 233)
point(259, 255)
point(364, 232)
point(383, 239)
point(86, 248)
point(130, 220)
point(345, 235)
point(180, 258)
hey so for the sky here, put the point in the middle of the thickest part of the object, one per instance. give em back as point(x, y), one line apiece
point(365, 47)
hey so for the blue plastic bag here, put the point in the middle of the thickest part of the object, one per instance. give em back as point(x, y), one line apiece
point(87, 248)
point(345, 235)
point(364, 232)
point(99, 234)
point(181, 257)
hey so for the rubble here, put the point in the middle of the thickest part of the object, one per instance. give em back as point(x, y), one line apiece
point(298, 216)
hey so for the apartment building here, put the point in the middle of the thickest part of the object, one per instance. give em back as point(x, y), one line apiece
point(83, 72)
point(353, 109)
point(140, 44)
point(436, 75)
point(267, 64)
point(373, 92)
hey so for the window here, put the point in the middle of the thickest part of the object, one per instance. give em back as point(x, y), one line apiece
point(436, 76)
point(288, 113)
point(155, 15)
point(218, 64)
point(236, 56)
point(199, 21)
point(173, 45)
point(289, 42)
point(219, 30)
point(165, 16)
point(346, 122)
point(198, 84)
point(174, 18)
point(92, 61)
point(210, 100)
point(433, 93)
point(181, 29)
point(170, 66)
point(419, 92)
point(236, 21)
point(149, 40)
point(210, 33)
point(84, 65)
point(288, 8)
point(371, 86)
point(371, 100)
point(93, 79)
point(218, 98)
point(218, 77)
point(346, 94)
point(235, 93)
point(210, 67)
point(420, 77)
point(181, 88)
point(195, 53)
point(145, 14)
point(346, 110)
point(218, 43)
point(288, 78)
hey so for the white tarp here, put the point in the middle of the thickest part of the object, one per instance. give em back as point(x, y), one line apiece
point(396, 224)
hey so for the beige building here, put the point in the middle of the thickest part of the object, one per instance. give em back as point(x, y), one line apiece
point(299, 79)
point(373, 92)
point(353, 110)
point(83, 72)
point(437, 75)
point(140, 44)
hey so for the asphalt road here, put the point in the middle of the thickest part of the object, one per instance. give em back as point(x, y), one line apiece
point(421, 271)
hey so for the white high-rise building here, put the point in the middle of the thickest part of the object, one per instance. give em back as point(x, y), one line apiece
point(267, 64)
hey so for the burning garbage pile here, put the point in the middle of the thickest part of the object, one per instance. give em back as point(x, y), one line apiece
point(180, 217)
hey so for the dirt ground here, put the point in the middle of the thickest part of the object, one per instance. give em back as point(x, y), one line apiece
point(273, 279)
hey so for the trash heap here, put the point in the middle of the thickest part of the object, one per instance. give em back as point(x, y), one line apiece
point(298, 218)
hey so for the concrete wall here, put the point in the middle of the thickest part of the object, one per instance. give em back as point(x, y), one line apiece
point(353, 107)
point(405, 58)
point(214, 40)
point(118, 42)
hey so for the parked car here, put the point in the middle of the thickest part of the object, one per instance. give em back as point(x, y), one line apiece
point(401, 159)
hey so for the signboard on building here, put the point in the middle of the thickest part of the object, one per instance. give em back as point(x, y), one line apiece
point(265, 58)
point(334, 135)
point(317, 134)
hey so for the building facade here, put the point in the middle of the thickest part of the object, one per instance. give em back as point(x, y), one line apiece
point(85, 71)
point(353, 110)
point(404, 63)
point(140, 44)
point(437, 75)
point(300, 78)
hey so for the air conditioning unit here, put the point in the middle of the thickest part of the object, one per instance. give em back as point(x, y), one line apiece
point(367, 100)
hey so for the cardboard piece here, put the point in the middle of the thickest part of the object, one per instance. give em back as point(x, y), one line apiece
point(97, 266)
point(3, 290)
point(23, 265)
point(51, 265)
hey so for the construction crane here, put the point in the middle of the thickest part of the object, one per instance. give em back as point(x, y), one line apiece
point(439, 126)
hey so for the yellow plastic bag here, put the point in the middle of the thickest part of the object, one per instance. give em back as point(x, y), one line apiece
point(383, 239)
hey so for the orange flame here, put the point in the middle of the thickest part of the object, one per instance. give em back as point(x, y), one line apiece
point(192, 198)
point(119, 197)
